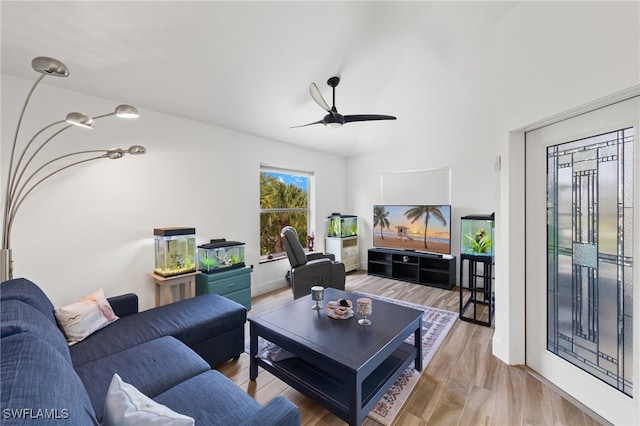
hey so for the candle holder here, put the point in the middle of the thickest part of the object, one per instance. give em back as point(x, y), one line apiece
point(364, 308)
point(317, 294)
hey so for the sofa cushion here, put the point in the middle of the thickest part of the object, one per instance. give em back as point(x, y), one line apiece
point(221, 402)
point(26, 291)
point(39, 386)
point(83, 318)
point(127, 406)
point(18, 317)
point(191, 321)
point(171, 361)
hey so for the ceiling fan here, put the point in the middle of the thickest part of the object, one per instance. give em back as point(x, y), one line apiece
point(334, 119)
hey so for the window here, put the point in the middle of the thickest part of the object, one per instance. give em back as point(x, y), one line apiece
point(284, 201)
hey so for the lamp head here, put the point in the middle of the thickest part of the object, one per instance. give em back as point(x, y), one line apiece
point(115, 153)
point(80, 119)
point(137, 150)
point(50, 66)
point(127, 111)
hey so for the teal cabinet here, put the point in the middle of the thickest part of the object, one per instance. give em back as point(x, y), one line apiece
point(234, 284)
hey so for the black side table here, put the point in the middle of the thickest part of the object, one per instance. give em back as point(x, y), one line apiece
point(479, 287)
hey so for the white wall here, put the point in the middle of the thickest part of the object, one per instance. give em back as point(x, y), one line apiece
point(472, 183)
point(92, 226)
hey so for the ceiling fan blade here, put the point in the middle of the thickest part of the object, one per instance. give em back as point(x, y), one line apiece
point(309, 124)
point(367, 117)
point(317, 96)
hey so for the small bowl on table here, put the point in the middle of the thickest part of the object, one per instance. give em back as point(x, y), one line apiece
point(340, 309)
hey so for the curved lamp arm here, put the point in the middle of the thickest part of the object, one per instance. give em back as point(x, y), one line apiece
point(75, 119)
point(15, 181)
point(113, 154)
point(13, 149)
point(15, 191)
point(45, 66)
point(24, 107)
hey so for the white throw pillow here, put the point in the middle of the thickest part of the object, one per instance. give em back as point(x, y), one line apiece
point(80, 319)
point(127, 406)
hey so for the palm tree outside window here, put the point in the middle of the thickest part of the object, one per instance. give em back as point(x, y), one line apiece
point(284, 201)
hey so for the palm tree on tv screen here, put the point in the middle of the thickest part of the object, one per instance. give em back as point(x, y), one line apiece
point(417, 212)
point(380, 218)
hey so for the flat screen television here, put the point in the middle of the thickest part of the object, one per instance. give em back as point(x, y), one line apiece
point(425, 228)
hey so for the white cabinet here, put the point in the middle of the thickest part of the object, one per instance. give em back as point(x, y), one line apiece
point(345, 250)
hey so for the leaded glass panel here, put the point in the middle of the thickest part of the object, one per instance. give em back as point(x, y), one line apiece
point(590, 255)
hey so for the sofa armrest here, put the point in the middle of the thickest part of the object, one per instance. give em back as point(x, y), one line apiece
point(125, 304)
point(278, 412)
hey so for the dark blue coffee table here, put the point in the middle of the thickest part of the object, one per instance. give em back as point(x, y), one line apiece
point(340, 364)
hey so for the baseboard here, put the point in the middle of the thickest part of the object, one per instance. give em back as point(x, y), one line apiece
point(267, 287)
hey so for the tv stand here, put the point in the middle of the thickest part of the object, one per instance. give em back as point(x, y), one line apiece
point(413, 266)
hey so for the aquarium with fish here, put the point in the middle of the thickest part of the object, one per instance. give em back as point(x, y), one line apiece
point(175, 250)
point(220, 255)
point(340, 225)
point(476, 235)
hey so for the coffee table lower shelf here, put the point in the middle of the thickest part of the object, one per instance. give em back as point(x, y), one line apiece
point(333, 392)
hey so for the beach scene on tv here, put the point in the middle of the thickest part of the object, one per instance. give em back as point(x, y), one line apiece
point(420, 228)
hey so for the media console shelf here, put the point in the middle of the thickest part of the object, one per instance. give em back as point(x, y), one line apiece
point(414, 267)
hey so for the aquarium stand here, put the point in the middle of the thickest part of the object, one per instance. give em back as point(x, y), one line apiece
point(345, 250)
point(413, 266)
point(185, 282)
point(232, 283)
point(480, 280)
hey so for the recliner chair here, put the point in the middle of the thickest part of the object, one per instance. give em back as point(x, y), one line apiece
point(311, 269)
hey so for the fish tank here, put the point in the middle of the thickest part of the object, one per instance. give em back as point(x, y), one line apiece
point(175, 251)
point(220, 255)
point(476, 236)
point(341, 226)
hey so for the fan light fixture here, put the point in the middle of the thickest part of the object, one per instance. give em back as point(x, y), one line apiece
point(20, 175)
point(334, 119)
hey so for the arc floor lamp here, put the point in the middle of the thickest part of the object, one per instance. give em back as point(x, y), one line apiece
point(23, 177)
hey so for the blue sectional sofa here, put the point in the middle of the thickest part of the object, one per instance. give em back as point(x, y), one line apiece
point(165, 352)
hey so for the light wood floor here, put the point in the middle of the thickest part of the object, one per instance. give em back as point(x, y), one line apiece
point(464, 384)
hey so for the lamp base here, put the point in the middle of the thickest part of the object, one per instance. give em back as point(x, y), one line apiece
point(6, 265)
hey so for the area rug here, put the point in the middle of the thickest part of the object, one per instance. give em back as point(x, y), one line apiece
point(436, 324)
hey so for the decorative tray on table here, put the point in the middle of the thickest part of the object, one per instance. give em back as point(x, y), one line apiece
point(340, 309)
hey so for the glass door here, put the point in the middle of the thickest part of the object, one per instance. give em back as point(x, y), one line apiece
point(581, 278)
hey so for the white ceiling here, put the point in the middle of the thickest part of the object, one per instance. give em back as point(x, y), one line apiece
point(248, 65)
